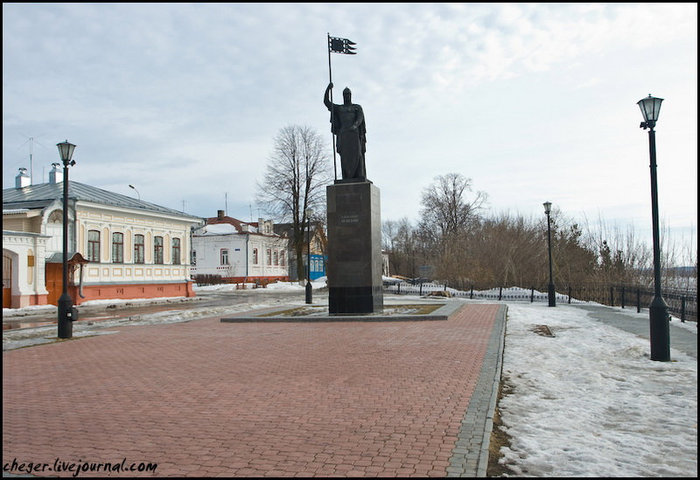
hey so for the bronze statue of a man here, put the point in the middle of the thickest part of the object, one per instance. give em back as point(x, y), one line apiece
point(348, 125)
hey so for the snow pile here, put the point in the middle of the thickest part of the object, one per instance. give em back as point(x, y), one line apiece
point(590, 402)
point(276, 286)
point(218, 229)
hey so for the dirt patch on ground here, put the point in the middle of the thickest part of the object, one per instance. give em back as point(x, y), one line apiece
point(499, 438)
point(543, 330)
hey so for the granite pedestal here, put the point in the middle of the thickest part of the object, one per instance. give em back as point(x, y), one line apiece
point(354, 248)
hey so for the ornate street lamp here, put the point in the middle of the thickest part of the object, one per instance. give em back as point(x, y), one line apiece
point(308, 257)
point(659, 335)
point(66, 312)
point(551, 294)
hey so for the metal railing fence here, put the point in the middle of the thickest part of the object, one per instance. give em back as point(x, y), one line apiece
point(681, 303)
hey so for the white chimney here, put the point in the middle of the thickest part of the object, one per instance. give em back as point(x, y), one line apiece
point(56, 174)
point(22, 179)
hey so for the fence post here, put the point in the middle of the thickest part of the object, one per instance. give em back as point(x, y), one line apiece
point(639, 301)
point(569, 294)
point(623, 297)
point(398, 289)
point(500, 292)
point(471, 292)
point(532, 294)
point(445, 289)
point(683, 309)
point(421, 289)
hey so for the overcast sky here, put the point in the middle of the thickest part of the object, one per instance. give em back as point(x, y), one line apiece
point(533, 102)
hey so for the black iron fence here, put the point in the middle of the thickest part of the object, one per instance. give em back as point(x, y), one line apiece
point(681, 303)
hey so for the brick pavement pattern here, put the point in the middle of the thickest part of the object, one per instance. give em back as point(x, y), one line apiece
point(206, 398)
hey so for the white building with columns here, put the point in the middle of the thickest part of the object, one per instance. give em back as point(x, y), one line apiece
point(119, 247)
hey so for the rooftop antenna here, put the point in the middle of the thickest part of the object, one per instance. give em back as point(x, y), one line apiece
point(31, 156)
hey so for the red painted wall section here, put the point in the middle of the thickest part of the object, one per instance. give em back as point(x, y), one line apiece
point(130, 292)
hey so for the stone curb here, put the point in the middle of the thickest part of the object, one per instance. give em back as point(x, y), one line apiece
point(441, 314)
point(470, 457)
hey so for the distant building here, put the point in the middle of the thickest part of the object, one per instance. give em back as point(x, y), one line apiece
point(318, 244)
point(119, 247)
point(239, 252)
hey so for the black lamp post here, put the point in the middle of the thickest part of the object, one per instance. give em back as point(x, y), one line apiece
point(659, 335)
point(308, 257)
point(65, 303)
point(551, 294)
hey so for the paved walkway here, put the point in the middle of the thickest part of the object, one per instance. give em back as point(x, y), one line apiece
point(638, 323)
point(207, 398)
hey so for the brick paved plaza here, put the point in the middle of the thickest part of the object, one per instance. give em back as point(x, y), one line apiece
point(207, 398)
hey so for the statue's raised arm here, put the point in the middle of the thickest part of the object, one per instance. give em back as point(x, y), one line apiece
point(327, 97)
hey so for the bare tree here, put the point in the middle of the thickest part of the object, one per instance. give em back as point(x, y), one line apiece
point(445, 204)
point(294, 183)
point(389, 228)
point(399, 239)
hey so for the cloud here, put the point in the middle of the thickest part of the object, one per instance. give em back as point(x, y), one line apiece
point(188, 97)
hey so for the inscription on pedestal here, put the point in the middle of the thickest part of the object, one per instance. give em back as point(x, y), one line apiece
point(346, 219)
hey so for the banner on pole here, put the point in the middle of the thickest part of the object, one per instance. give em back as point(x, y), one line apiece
point(341, 45)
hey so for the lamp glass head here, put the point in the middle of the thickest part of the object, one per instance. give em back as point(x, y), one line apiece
point(65, 150)
point(650, 107)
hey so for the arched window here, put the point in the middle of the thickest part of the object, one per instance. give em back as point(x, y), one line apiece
point(117, 247)
point(158, 250)
point(139, 249)
point(93, 246)
point(176, 251)
point(54, 229)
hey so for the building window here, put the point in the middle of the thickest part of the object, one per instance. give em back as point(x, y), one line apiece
point(224, 256)
point(176, 251)
point(269, 256)
point(255, 256)
point(194, 258)
point(158, 250)
point(282, 260)
point(139, 249)
point(93, 251)
point(277, 260)
point(117, 247)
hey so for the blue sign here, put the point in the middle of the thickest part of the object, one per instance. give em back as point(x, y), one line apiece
point(318, 266)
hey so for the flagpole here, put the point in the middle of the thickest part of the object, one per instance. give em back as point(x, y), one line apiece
point(330, 80)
